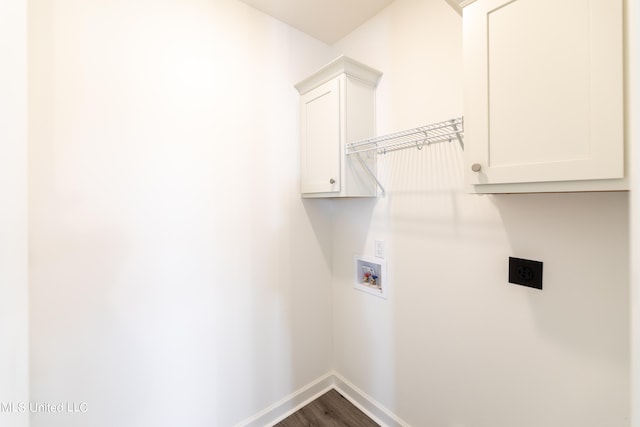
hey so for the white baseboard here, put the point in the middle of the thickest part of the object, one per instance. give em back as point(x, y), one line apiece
point(332, 380)
point(376, 411)
point(290, 404)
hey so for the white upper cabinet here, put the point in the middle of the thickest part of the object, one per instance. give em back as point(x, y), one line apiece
point(544, 95)
point(320, 122)
point(337, 106)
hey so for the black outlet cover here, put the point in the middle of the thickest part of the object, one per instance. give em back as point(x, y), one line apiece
point(525, 272)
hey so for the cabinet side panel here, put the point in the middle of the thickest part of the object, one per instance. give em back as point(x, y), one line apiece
point(359, 124)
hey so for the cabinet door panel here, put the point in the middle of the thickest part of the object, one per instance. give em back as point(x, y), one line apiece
point(543, 90)
point(321, 139)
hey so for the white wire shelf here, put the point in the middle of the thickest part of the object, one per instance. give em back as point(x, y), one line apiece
point(446, 131)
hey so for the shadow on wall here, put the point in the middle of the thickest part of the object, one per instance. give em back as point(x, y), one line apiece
point(584, 244)
point(374, 338)
point(309, 274)
point(317, 211)
point(358, 348)
point(574, 334)
point(426, 196)
point(447, 254)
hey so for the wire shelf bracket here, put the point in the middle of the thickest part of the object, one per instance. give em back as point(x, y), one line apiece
point(418, 137)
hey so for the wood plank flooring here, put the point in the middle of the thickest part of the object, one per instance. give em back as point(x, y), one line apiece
point(329, 410)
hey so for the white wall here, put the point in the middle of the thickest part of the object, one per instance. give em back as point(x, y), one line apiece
point(14, 358)
point(455, 345)
point(177, 278)
point(633, 100)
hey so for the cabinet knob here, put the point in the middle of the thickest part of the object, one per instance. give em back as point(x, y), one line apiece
point(332, 181)
point(476, 167)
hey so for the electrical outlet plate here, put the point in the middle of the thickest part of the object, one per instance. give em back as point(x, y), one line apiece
point(525, 272)
point(379, 249)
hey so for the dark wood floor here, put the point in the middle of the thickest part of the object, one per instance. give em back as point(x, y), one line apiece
point(329, 410)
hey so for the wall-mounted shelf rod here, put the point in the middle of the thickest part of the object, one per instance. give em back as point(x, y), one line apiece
point(419, 137)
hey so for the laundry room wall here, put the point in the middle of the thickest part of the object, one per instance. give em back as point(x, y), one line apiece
point(455, 344)
point(14, 355)
point(176, 276)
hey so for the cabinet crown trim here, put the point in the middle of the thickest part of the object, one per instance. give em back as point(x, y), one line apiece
point(341, 65)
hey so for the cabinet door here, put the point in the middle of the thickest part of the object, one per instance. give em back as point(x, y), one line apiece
point(320, 163)
point(543, 90)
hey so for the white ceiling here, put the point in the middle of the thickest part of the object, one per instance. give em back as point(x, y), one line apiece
point(326, 20)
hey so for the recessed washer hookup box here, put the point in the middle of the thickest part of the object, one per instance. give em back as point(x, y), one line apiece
point(371, 276)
